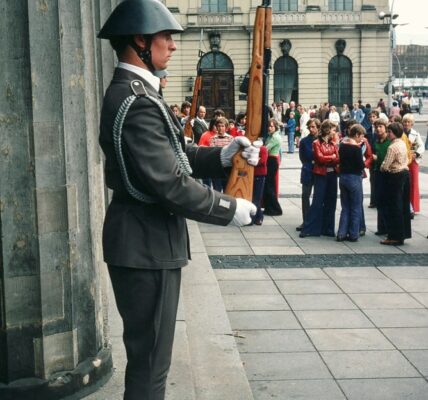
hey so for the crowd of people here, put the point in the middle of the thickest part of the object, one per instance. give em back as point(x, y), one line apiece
point(337, 149)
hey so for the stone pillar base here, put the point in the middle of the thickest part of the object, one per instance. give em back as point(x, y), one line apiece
point(86, 378)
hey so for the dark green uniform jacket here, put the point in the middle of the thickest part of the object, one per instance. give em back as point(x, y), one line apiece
point(154, 236)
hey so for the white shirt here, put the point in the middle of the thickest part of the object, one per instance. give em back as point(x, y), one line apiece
point(144, 73)
point(304, 131)
point(416, 143)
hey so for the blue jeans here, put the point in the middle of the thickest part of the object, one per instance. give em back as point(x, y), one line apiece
point(258, 186)
point(320, 217)
point(351, 198)
point(291, 142)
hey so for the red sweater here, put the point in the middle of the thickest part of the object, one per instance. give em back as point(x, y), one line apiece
point(261, 168)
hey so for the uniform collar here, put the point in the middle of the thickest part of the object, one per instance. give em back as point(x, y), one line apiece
point(154, 81)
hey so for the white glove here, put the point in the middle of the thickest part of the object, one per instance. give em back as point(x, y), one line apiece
point(244, 210)
point(249, 151)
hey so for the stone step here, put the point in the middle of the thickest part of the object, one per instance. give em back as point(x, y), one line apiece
point(217, 369)
point(180, 383)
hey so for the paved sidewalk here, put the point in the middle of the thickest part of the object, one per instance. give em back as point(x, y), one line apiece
point(337, 332)
point(319, 331)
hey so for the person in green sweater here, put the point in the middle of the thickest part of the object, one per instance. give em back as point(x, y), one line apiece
point(381, 145)
point(270, 193)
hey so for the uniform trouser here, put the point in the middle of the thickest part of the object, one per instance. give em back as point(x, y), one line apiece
point(147, 301)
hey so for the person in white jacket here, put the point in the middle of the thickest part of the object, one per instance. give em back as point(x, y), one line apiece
point(304, 118)
point(334, 116)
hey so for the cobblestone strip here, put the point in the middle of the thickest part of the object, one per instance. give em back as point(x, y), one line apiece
point(319, 261)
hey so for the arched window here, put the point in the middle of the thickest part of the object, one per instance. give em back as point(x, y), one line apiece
point(286, 79)
point(216, 60)
point(340, 80)
point(217, 83)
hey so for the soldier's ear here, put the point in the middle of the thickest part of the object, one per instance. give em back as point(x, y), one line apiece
point(140, 41)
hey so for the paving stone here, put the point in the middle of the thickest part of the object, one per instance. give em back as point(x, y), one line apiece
point(405, 272)
point(268, 242)
point(385, 389)
point(241, 274)
point(254, 302)
point(235, 242)
point(368, 364)
point(221, 235)
point(348, 339)
point(319, 302)
point(280, 234)
point(307, 286)
point(419, 358)
point(282, 250)
point(267, 229)
point(247, 320)
point(421, 297)
point(273, 341)
point(316, 246)
point(325, 389)
point(203, 228)
point(408, 318)
point(281, 366)
point(413, 284)
point(354, 272)
point(247, 287)
point(362, 247)
point(333, 319)
point(408, 338)
point(367, 285)
point(385, 300)
point(233, 250)
point(297, 273)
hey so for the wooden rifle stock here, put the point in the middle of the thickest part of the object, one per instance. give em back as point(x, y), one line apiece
point(241, 178)
point(188, 130)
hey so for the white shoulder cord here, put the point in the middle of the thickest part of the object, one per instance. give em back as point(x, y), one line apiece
point(182, 160)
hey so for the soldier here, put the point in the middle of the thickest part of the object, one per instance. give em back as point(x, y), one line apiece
point(151, 173)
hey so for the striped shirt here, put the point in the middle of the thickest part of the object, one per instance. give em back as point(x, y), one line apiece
point(396, 157)
point(220, 141)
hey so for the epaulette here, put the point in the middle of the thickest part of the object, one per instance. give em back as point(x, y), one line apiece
point(138, 88)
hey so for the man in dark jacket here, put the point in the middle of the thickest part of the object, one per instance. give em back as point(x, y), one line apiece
point(306, 156)
point(199, 124)
point(151, 173)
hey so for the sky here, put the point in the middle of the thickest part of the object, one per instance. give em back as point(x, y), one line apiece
point(415, 13)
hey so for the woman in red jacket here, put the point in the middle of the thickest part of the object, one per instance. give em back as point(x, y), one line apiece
point(320, 218)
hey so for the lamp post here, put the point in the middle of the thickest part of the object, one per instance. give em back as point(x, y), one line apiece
point(389, 18)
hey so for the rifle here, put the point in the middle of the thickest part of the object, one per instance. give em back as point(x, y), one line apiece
point(188, 129)
point(241, 178)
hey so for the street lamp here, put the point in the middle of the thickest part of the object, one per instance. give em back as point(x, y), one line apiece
point(389, 18)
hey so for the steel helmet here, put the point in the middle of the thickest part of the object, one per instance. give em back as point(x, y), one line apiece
point(139, 17)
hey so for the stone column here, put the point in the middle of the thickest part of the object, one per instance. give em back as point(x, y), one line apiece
point(53, 330)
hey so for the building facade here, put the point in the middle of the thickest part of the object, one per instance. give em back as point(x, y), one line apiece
point(322, 50)
point(410, 68)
